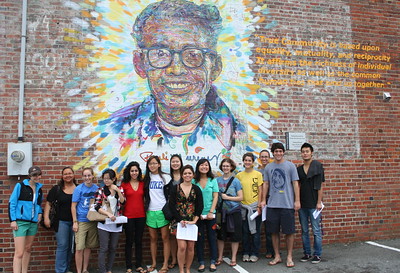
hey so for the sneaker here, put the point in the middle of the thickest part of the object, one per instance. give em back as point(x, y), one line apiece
point(253, 258)
point(306, 258)
point(315, 260)
point(246, 258)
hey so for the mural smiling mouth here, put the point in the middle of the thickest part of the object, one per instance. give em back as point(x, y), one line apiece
point(178, 88)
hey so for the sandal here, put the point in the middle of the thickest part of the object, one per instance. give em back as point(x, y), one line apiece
point(151, 268)
point(140, 270)
point(172, 265)
point(275, 262)
point(128, 270)
point(163, 270)
point(233, 263)
point(218, 262)
point(289, 264)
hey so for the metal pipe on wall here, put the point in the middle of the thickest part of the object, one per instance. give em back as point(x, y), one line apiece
point(22, 72)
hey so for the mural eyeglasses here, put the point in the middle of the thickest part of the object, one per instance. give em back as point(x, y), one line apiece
point(191, 57)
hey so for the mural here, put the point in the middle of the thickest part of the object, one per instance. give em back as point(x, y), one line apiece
point(171, 77)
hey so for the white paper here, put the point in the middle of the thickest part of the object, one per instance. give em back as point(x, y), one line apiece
point(264, 214)
point(253, 216)
point(119, 220)
point(317, 212)
point(189, 232)
point(205, 216)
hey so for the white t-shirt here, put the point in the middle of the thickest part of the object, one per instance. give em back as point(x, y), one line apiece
point(156, 190)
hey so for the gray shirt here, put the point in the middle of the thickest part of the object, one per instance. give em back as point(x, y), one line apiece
point(280, 178)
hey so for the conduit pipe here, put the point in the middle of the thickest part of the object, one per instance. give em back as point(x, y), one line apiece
point(22, 72)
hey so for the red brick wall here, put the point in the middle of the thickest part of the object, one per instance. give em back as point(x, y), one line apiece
point(354, 132)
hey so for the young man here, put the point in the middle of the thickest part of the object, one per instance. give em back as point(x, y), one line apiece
point(284, 199)
point(311, 175)
point(252, 182)
point(264, 159)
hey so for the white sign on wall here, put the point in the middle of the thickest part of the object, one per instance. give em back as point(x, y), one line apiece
point(294, 140)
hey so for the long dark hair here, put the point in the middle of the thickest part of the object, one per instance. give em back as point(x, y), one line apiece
point(127, 172)
point(160, 172)
point(171, 171)
point(197, 174)
point(61, 183)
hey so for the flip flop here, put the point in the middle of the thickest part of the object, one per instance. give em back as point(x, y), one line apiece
point(289, 264)
point(151, 269)
point(218, 262)
point(163, 270)
point(275, 262)
point(233, 263)
point(140, 270)
point(172, 265)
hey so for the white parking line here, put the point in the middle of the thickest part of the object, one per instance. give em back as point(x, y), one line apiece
point(237, 267)
point(383, 246)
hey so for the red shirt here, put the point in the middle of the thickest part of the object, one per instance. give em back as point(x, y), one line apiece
point(134, 204)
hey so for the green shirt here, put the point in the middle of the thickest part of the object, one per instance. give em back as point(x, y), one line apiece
point(210, 188)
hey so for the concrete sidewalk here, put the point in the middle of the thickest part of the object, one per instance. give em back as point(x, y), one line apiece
point(360, 257)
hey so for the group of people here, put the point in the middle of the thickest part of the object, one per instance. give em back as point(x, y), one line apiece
point(226, 208)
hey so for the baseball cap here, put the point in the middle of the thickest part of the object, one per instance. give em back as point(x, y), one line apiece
point(34, 170)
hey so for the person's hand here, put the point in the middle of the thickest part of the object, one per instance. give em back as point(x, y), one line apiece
point(296, 205)
point(47, 222)
point(75, 227)
point(114, 187)
point(319, 206)
point(263, 204)
point(14, 225)
point(112, 217)
point(224, 196)
point(210, 216)
point(183, 223)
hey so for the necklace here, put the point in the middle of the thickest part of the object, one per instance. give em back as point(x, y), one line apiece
point(135, 185)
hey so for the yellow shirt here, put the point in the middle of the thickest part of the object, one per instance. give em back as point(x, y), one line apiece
point(250, 182)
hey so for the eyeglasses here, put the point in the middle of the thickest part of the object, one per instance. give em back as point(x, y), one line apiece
point(191, 57)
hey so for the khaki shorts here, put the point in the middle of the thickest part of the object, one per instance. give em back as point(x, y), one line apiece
point(86, 236)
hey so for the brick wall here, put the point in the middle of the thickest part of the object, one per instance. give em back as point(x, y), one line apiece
point(354, 132)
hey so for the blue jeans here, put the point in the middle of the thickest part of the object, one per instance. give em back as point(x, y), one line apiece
point(251, 242)
point(306, 216)
point(64, 238)
point(206, 225)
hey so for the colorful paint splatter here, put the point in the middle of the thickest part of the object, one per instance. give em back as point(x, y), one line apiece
point(172, 91)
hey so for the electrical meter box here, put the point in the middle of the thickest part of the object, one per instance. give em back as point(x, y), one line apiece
point(19, 158)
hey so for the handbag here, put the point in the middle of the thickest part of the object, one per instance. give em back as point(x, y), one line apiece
point(218, 215)
point(167, 212)
point(94, 215)
point(52, 214)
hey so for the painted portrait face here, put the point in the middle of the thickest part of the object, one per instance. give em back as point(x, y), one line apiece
point(177, 85)
point(278, 179)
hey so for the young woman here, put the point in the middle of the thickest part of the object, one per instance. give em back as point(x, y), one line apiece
point(231, 210)
point(186, 204)
point(108, 233)
point(25, 212)
point(133, 187)
point(175, 168)
point(209, 188)
point(62, 194)
point(85, 231)
point(156, 196)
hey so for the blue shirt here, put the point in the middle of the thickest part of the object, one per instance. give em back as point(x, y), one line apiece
point(82, 195)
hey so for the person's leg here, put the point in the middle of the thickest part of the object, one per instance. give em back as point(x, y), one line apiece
point(139, 229)
point(63, 247)
point(288, 228)
point(235, 247)
point(316, 227)
point(19, 244)
point(70, 234)
point(305, 237)
point(104, 237)
point(112, 247)
point(174, 247)
point(276, 243)
point(245, 238)
point(200, 243)
point(166, 246)
point(181, 254)
point(129, 233)
point(289, 246)
point(153, 246)
point(212, 241)
point(189, 255)
point(27, 253)
point(256, 239)
point(79, 260)
point(220, 249)
point(86, 258)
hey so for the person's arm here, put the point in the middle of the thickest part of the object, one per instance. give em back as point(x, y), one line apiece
point(296, 190)
point(46, 214)
point(74, 217)
point(260, 198)
point(210, 214)
point(12, 206)
point(120, 193)
point(319, 201)
point(265, 189)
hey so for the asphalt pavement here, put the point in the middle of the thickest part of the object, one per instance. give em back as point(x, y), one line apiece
point(361, 257)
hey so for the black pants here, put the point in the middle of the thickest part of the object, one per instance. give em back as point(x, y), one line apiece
point(134, 232)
